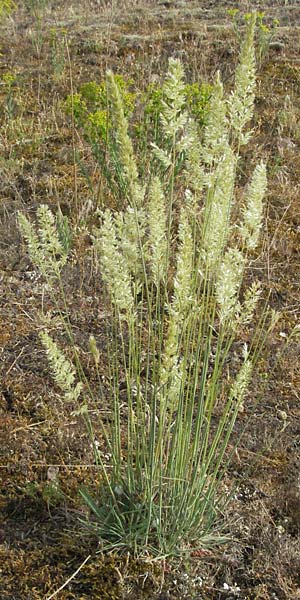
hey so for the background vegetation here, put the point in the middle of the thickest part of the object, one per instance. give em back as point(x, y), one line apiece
point(51, 53)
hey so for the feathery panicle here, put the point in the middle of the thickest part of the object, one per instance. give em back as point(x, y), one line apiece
point(170, 356)
point(171, 368)
point(275, 317)
point(32, 241)
point(216, 129)
point(241, 103)
point(131, 228)
point(170, 380)
point(181, 302)
point(240, 385)
point(194, 209)
point(163, 157)
point(157, 221)
point(48, 234)
point(228, 283)
point(173, 117)
point(248, 307)
point(124, 143)
point(175, 378)
point(46, 250)
point(216, 226)
point(63, 370)
point(184, 270)
point(194, 171)
point(253, 212)
point(115, 271)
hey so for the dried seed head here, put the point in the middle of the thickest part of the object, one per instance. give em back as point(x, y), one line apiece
point(114, 267)
point(253, 211)
point(228, 283)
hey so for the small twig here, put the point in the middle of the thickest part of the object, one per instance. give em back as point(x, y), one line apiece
point(70, 578)
point(14, 362)
point(28, 426)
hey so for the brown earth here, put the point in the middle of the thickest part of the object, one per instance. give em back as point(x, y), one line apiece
point(41, 443)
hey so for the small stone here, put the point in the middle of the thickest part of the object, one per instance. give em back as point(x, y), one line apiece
point(282, 415)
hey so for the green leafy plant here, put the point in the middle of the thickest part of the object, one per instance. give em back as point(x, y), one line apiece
point(6, 7)
point(90, 109)
point(9, 80)
point(48, 491)
point(265, 35)
point(172, 262)
point(234, 15)
point(197, 98)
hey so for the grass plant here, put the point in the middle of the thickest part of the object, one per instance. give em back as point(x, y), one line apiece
point(58, 51)
point(172, 261)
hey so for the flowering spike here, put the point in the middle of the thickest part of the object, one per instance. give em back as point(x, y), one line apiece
point(183, 275)
point(114, 267)
point(173, 118)
point(228, 283)
point(157, 231)
point(45, 249)
point(63, 370)
point(216, 130)
point(241, 102)
point(240, 385)
point(253, 211)
point(216, 226)
point(124, 143)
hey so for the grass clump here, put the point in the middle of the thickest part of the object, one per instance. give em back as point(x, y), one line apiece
point(172, 262)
